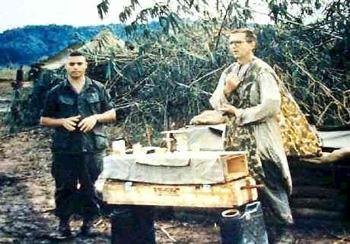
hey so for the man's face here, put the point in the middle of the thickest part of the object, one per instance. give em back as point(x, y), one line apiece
point(76, 66)
point(239, 47)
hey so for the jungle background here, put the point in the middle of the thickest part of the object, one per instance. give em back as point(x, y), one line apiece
point(159, 80)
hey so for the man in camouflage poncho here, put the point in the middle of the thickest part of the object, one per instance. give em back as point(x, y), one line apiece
point(248, 92)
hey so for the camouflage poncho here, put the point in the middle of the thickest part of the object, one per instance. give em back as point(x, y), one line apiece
point(256, 128)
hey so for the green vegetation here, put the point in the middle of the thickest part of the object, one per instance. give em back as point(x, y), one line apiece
point(170, 75)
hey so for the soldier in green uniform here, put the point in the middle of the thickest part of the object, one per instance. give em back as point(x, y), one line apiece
point(77, 108)
point(248, 92)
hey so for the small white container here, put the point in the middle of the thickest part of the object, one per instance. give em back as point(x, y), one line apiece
point(137, 149)
point(118, 146)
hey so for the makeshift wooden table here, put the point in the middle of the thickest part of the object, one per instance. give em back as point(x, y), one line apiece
point(205, 179)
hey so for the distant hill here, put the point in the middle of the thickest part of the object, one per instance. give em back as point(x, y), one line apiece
point(28, 44)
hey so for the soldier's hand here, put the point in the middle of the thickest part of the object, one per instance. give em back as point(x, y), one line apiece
point(231, 83)
point(88, 123)
point(70, 123)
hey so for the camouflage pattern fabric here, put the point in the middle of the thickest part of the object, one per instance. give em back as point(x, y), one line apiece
point(240, 138)
point(299, 138)
point(243, 138)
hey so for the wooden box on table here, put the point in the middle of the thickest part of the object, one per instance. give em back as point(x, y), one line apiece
point(227, 195)
point(201, 179)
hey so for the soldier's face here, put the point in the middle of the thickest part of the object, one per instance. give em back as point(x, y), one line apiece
point(239, 46)
point(76, 66)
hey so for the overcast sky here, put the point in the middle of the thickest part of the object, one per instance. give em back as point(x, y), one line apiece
point(18, 13)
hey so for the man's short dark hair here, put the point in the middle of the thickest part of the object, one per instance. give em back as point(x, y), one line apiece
point(76, 53)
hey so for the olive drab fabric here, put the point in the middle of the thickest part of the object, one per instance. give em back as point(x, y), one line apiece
point(62, 102)
point(67, 170)
point(77, 155)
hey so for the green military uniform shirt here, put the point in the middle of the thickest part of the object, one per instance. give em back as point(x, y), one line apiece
point(63, 101)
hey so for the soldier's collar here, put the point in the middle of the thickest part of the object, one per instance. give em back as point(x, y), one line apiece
point(87, 82)
point(66, 83)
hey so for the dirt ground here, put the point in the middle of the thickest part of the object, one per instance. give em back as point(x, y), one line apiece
point(26, 203)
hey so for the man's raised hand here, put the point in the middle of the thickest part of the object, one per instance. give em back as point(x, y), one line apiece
point(231, 83)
